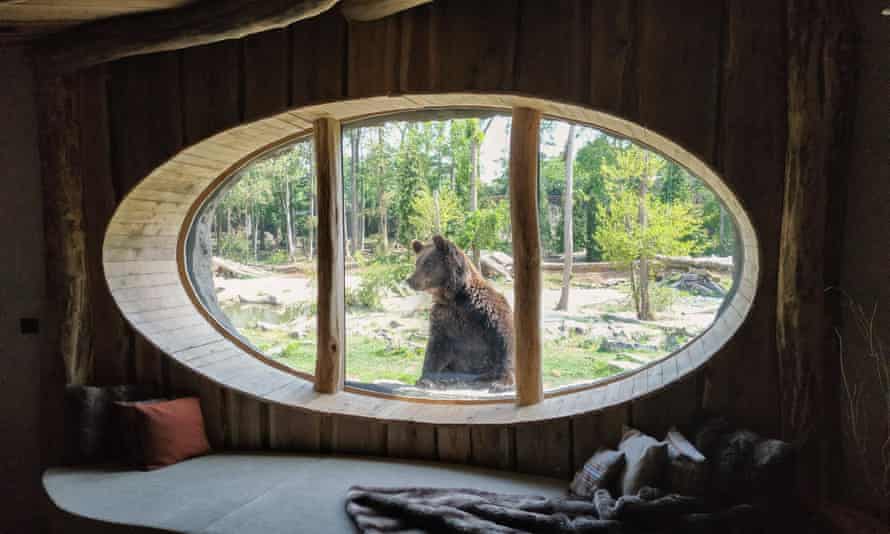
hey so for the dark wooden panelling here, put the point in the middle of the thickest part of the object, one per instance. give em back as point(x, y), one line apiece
point(146, 129)
point(294, 430)
point(146, 116)
point(211, 81)
point(374, 56)
point(358, 436)
point(411, 440)
point(751, 156)
point(318, 55)
point(545, 448)
point(419, 55)
point(557, 66)
point(611, 53)
point(454, 444)
point(266, 73)
point(476, 45)
point(676, 405)
point(595, 430)
point(247, 421)
point(493, 446)
point(677, 70)
point(109, 343)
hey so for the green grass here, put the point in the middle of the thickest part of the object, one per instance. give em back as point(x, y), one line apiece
point(568, 361)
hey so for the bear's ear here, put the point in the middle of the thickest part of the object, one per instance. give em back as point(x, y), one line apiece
point(417, 246)
point(441, 242)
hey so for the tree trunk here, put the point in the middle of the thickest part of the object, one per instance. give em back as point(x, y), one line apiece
point(355, 241)
point(256, 235)
point(382, 201)
point(645, 311)
point(291, 249)
point(722, 232)
point(568, 234)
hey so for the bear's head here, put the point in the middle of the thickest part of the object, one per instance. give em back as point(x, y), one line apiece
point(440, 265)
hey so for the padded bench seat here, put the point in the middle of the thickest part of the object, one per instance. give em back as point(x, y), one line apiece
point(259, 492)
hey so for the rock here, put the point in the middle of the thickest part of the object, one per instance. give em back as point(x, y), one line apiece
point(395, 324)
point(275, 351)
point(614, 345)
point(574, 327)
point(267, 327)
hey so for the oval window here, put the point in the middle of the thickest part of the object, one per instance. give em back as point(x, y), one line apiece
point(638, 255)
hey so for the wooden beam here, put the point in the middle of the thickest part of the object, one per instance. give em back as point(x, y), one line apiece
point(524, 146)
point(367, 10)
point(192, 25)
point(818, 44)
point(330, 364)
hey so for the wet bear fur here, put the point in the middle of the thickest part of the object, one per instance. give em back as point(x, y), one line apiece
point(471, 324)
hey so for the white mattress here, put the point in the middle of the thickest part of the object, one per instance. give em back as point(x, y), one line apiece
point(240, 493)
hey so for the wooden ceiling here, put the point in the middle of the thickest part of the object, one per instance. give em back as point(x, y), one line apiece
point(24, 20)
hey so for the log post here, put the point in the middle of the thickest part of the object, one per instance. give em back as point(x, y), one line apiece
point(524, 141)
point(817, 46)
point(330, 363)
point(64, 224)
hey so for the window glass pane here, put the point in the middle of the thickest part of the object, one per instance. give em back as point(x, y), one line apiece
point(264, 271)
point(428, 316)
point(652, 255)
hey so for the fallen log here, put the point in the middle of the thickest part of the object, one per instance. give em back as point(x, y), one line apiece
point(711, 263)
point(260, 299)
point(587, 267)
point(233, 269)
point(491, 268)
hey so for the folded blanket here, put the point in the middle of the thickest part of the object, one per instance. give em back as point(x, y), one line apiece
point(468, 511)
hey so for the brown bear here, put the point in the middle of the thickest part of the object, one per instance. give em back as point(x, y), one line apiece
point(471, 324)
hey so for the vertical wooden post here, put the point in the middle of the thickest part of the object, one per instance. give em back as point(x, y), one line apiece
point(524, 146)
point(330, 362)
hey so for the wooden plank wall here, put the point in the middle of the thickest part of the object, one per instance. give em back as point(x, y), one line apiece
point(711, 75)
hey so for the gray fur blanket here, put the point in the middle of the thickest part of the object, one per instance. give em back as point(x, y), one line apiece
point(468, 511)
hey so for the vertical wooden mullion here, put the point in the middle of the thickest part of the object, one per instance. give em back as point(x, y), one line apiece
point(330, 361)
point(524, 145)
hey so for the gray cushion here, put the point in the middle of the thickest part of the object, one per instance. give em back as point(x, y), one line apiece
point(645, 461)
point(599, 472)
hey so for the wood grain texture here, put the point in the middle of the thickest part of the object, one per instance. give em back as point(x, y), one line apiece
point(358, 436)
point(545, 448)
point(750, 154)
point(418, 53)
point(330, 363)
point(247, 418)
point(493, 446)
point(373, 59)
point(64, 225)
point(294, 430)
point(612, 41)
point(596, 430)
point(476, 45)
point(266, 74)
point(369, 10)
point(411, 440)
point(318, 52)
point(524, 141)
point(818, 50)
point(559, 65)
point(454, 444)
point(671, 73)
point(210, 89)
point(193, 25)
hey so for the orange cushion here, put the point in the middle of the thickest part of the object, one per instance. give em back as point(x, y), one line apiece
point(163, 432)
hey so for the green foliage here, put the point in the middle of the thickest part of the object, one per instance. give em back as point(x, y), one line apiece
point(433, 213)
point(671, 230)
point(379, 276)
point(486, 228)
